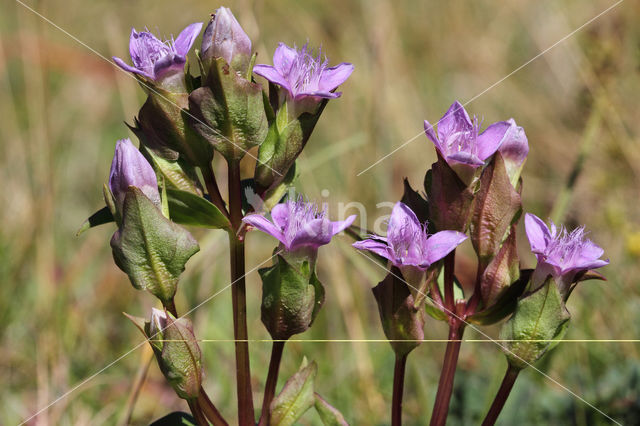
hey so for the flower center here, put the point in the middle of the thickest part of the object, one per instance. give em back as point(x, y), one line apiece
point(306, 71)
point(148, 50)
point(464, 139)
point(300, 214)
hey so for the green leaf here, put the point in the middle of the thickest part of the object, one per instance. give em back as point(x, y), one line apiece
point(503, 270)
point(177, 418)
point(540, 318)
point(497, 206)
point(291, 299)
point(329, 415)
point(296, 397)
point(229, 111)
point(177, 174)
point(187, 208)
point(150, 248)
point(100, 217)
point(181, 359)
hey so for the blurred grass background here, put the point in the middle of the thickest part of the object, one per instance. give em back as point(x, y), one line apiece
point(62, 108)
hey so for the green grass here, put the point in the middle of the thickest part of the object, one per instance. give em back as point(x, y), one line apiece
point(61, 111)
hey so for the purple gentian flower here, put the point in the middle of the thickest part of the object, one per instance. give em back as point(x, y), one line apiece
point(560, 254)
point(225, 38)
point(297, 224)
point(408, 244)
point(304, 75)
point(464, 148)
point(155, 59)
point(130, 168)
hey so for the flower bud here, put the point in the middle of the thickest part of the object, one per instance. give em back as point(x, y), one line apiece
point(130, 168)
point(225, 38)
point(177, 352)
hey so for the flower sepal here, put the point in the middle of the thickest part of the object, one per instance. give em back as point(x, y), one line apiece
point(539, 322)
point(402, 321)
point(497, 206)
point(286, 138)
point(176, 350)
point(292, 296)
point(150, 248)
point(450, 199)
point(228, 111)
point(162, 127)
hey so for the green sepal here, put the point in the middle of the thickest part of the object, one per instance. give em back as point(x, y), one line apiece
point(296, 397)
point(540, 318)
point(504, 304)
point(329, 415)
point(110, 201)
point(402, 322)
point(186, 208)
point(150, 248)
point(291, 298)
point(177, 174)
point(162, 127)
point(450, 200)
point(497, 205)
point(283, 144)
point(502, 271)
point(228, 112)
point(100, 217)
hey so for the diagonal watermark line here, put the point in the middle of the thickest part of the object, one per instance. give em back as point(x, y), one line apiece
point(497, 82)
point(405, 340)
point(139, 345)
point(496, 342)
point(148, 87)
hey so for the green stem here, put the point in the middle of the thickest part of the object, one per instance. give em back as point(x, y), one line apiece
point(239, 300)
point(445, 386)
point(272, 381)
point(398, 389)
point(501, 397)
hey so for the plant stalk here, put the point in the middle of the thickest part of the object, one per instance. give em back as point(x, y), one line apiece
point(213, 190)
point(197, 414)
point(272, 381)
point(209, 410)
point(501, 397)
point(239, 299)
point(398, 389)
point(449, 266)
point(445, 385)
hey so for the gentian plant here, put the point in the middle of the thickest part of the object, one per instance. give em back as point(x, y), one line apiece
point(472, 196)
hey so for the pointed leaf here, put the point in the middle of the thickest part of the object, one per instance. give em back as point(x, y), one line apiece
point(296, 397)
point(329, 415)
point(416, 202)
point(505, 303)
point(100, 217)
point(187, 208)
point(177, 418)
point(502, 271)
point(177, 174)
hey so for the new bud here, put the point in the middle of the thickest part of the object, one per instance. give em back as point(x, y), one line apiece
point(177, 352)
point(225, 38)
point(130, 168)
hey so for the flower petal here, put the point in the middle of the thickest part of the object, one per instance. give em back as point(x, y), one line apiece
point(338, 227)
point(185, 39)
point(333, 77)
point(465, 158)
point(489, 141)
point(377, 247)
point(263, 224)
point(283, 58)
point(272, 74)
point(431, 134)
point(314, 233)
point(122, 64)
point(403, 222)
point(442, 243)
point(168, 64)
point(537, 233)
point(280, 214)
point(515, 146)
point(454, 120)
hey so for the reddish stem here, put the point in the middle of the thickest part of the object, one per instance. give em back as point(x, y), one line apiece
point(501, 397)
point(398, 389)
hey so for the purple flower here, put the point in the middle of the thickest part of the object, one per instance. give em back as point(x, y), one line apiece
point(297, 224)
point(464, 148)
point(407, 242)
point(560, 253)
point(130, 168)
point(225, 38)
point(302, 74)
point(157, 59)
